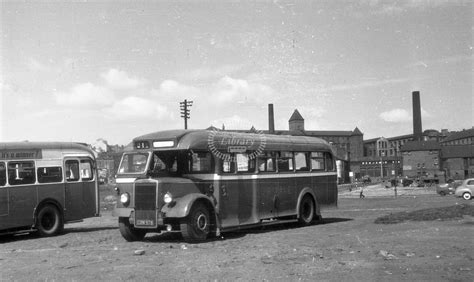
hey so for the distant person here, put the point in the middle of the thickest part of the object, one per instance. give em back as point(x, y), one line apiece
point(361, 195)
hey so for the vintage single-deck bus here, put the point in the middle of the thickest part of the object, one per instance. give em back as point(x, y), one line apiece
point(203, 182)
point(44, 185)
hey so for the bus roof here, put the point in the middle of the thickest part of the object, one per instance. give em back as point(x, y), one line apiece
point(204, 139)
point(18, 146)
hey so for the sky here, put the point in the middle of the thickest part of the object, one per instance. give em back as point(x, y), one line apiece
point(118, 69)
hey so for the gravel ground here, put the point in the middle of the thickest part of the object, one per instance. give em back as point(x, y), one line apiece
point(347, 245)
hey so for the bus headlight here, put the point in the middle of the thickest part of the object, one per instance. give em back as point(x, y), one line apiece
point(125, 199)
point(167, 198)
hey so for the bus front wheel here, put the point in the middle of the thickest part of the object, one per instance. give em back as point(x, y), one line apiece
point(49, 221)
point(196, 226)
point(306, 211)
point(128, 232)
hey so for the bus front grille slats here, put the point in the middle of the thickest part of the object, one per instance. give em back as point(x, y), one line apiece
point(145, 196)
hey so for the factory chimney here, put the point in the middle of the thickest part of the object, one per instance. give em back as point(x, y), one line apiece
point(271, 119)
point(417, 130)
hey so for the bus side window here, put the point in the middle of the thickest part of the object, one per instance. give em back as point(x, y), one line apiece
point(245, 163)
point(228, 166)
point(266, 162)
point(285, 162)
point(72, 170)
point(20, 173)
point(201, 162)
point(329, 162)
point(317, 161)
point(301, 162)
point(50, 174)
point(3, 174)
point(86, 170)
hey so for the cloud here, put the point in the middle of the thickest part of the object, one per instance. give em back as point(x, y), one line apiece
point(382, 7)
point(175, 89)
point(425, 114)
point(37, 66)
point(121, 80)
point(443, 61)
point(230, 90)
point(363, 84)
point(207, 73)
point(137, 108)
point(85, 94)
point(396, 116)
point(233, 122)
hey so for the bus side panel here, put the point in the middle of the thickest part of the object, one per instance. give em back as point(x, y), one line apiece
point(74, 205)
point(300, 184)
point(320, 188)
point(229, 203)
point(23, 200)
point(3, 203)
point(248, 202)
point(53, 191)
point(332, 190)
point(267, 191)
point(89, 199)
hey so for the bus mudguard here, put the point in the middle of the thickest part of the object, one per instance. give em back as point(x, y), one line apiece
point(122, 212)
point(303, 192)
point(180, 207)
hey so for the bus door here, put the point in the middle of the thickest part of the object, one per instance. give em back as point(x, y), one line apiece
point(89, 182)
point(80, 188)
point(73, 190)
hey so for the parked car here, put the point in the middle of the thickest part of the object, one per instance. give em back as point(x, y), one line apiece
point(466, 189)
point(445, 189)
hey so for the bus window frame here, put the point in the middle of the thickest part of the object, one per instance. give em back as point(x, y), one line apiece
point(5, 174)
point(249, 161)
point(91, 163)
point(190, 162)
point(307, 160)
point(21, 161)
point(267, 155)
point(38, 168)
point(67, 178)
point(323, 158)
point(292, 158)
point(147, 164)
point(329, 158)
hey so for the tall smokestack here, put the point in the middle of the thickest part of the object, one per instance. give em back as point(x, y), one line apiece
point(271, 119)
point(417, 130)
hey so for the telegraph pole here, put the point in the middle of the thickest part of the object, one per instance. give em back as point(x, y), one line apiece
point(184, 106)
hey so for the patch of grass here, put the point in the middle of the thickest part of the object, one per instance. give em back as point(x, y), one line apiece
point(444, 213)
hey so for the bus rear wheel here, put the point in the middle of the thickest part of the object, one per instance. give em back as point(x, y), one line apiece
point(196, 226)
point(49, 221)
point(128, 232)
point(306, 211)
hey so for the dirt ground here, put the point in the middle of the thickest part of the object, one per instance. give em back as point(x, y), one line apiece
point(348, 245)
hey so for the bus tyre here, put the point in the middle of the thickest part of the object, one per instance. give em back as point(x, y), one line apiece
point(196, 226)
point(306, 211)
point(49, 221)
point(128, 232)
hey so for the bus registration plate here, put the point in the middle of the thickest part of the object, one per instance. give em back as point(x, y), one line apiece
point(145, 222)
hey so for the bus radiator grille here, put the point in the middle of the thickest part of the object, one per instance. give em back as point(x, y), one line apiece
point(145, 196)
